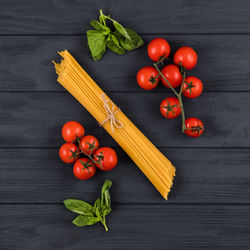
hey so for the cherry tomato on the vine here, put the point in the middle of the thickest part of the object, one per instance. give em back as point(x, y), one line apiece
point(72, 130)
point(192, 87)
point(172, 74)
point(170, 107)
point(68, 152)
point(147, 78)
point(158, 48)
point(84, 169)
point(194, 126)
point(89, 144)
point(186, 57)
point(107, 158)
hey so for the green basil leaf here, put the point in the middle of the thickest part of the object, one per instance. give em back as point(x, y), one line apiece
point(135, 42)
point(106, 211)
point(96, 43)
point(105, 196)
point(88, 214)
point(113, 44)
point(118, 36)
point(106, 186)
point(121, 30)
point(102, 18)
point(82, 220)
point(97, 203)
point(97, 207)
point(100, 27)
point(78, 206)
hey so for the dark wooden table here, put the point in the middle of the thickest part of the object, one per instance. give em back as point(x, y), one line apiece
point(209, 206)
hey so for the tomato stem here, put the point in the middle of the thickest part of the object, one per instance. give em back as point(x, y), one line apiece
point(88, 155)
point(178, 95)
point(170, 86)
point(181, 103)
point(183, 81)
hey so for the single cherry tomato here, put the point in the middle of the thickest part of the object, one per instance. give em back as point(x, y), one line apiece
point(186, 57)
point(72, 130)
point(192, 87)
point(158, 48)
point(173, 75)
point(89, 144)
point(107, 158)
point(68, 152)
point(147, 78)
point(84, 169)
point(170, 107)
point(194, 127)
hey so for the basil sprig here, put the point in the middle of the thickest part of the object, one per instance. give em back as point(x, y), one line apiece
point(119, 40)
point(88, 214)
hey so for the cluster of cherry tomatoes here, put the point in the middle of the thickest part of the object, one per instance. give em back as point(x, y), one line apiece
point(185, 58)
point(77, 145)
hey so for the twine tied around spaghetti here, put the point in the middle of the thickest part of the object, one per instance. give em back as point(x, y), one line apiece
point(110, 110)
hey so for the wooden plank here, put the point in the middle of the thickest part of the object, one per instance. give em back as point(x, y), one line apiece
point(35, 119)
point(202, 176)
point(25, 63)
point(174, 227)
point(71, 17)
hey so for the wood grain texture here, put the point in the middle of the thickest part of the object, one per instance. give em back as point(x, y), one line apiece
point(202, 176)
point(131, 227)
point(208, 207)
point(25, 63)
point(71, 17)
point(35, 119)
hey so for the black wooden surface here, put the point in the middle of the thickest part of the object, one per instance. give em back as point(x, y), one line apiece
point(131, 226)
point(223, 62)
point(208, 207)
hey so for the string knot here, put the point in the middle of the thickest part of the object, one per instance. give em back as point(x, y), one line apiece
point(110, 110)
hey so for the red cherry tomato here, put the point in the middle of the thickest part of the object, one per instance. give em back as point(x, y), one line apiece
point(170, 107)
point(107, 157)
point(158, 48)
point(71, 130)
point(173, 75)
point(185, 56)
point(147, 78)
point(195, 127)
point(84, 169)
point(89, 144)
point(65, 152)
point(192, 87)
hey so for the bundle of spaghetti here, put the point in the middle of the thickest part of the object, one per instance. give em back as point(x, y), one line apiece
point(158, 169)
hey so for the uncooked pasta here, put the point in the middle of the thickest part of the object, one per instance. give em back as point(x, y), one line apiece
point(158, 169)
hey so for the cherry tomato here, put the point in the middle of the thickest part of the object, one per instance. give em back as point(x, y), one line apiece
point(72, 130)
point(192, 87)
point(173, 75)
point(185, 56)
point(84, 169)
point(158, 48)
point(107, 157)
point(170, 107)
point(68, 152)
point(147, 78)
point(89, 144)
point(195, 126)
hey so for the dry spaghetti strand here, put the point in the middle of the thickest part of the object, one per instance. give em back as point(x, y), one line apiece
point(158, 169)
